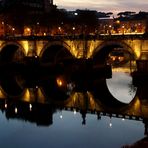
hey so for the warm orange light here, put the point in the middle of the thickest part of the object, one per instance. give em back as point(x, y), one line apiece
point(28, 29)
point(113, 58)
point(118, 22)
point(59, 82)
point(59, 28)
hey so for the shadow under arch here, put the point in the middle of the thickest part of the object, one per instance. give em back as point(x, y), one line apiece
point(11, 52)
point(102, 51)
point(55, 53)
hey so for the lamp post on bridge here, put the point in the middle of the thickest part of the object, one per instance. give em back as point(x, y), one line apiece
point(73, 29)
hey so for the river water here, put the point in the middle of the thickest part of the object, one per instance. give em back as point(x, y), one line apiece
point(79, 123)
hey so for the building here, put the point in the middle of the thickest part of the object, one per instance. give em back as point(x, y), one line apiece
point(16, 15)
point(34, 6)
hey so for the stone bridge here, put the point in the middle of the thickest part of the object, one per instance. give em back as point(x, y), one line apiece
point(53, 48)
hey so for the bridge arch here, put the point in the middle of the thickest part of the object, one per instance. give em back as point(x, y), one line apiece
point(102, 51)
point(55, 52)
point(11, 51)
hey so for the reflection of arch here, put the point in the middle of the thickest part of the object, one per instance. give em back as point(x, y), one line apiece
point(2, 93)
point(101, 93)
point(102, 51)
point(52, 91)
point(10, 86)
point(11, 51)
point(55, 52)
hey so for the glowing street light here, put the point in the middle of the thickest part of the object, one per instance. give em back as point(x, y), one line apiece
point(59, 28)
point(27, 31)
point(73, 28)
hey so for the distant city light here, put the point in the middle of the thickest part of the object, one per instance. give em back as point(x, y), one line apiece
point(76, 13)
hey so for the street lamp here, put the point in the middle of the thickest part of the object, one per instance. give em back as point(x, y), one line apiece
point(110, 28)
point(73, 28)
point(27, 31)
point(13, 29)
point(3, 28)
point(59, 28)
point(123, 29)
point(38, 28)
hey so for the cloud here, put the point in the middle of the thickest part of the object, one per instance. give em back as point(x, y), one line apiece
point(104, 5)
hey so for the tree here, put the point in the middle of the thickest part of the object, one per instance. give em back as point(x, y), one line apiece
point(126, 14)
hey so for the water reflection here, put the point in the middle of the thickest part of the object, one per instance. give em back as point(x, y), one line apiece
point(141, 143)
point(121, 86)
point(57, 102)
point(58, 93)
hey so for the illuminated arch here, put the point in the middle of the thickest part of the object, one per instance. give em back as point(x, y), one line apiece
point(13, 43)
point(101, 49)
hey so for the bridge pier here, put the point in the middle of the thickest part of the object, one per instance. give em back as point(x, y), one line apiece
point(140, 76)
point(32, 48)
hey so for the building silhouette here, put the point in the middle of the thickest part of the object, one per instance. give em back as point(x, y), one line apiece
point(28, 5)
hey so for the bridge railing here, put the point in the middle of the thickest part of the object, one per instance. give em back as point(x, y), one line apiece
point(77, 37)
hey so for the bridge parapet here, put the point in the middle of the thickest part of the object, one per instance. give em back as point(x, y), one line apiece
point(76, 37)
